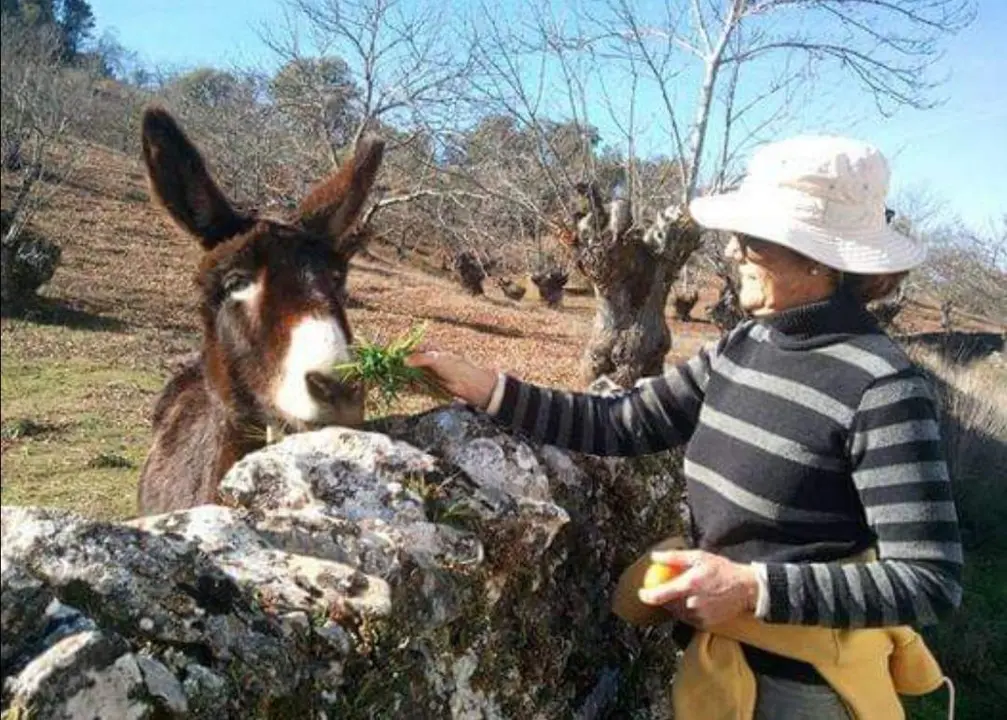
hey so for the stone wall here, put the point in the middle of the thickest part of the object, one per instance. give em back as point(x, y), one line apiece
point(430, 567)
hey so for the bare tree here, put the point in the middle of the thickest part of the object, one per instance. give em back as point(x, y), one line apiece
point(401, 57)
point(747, 62)
point(967, 269)
point(320, 100)
point(38, 99)
point(393, 66)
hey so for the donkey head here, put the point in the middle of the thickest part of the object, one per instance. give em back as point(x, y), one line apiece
point(272, 290)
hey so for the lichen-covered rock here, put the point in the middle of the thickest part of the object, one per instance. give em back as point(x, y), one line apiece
point(86, 675)
point(140, 590)
point(433, 566)
point(27, 262)
point(23, 603)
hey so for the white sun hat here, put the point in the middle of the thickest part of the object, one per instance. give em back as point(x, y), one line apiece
point(821, 196)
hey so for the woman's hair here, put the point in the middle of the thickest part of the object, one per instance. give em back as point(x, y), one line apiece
point(867, 288)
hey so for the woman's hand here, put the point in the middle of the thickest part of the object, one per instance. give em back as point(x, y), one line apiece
point(457, 376)
point(712, 589)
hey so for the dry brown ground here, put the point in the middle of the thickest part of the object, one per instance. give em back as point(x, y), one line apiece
point(80, 375)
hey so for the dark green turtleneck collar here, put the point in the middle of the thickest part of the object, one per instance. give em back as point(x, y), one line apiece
point(821, 322)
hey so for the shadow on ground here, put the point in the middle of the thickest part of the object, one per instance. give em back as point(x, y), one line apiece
point(48, 311)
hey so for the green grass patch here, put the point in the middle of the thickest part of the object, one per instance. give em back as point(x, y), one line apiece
point(21, 428)
point(100, 412)
point(113, 460)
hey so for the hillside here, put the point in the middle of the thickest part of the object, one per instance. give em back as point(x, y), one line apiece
point(80, 374)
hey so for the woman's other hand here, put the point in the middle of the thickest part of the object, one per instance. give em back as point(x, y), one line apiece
point(457, 376)
point(712, 589)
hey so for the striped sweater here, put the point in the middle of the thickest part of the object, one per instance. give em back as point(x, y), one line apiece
point(810, 437)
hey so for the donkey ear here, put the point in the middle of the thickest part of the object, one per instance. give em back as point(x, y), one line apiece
point(332, 207)
point(181, 183)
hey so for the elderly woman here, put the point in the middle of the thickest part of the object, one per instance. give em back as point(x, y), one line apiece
point(810, 437)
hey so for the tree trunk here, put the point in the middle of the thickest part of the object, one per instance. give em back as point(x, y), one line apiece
point(684, 303)
point(632, 272)
point(470, 272)
point(27, 262)
point(726, 312)
point(630, 336)
point(550, 284)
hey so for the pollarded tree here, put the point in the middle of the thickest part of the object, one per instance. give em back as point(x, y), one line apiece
point(747, 65)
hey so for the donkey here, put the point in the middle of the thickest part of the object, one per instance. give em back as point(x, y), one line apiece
point(272, 312)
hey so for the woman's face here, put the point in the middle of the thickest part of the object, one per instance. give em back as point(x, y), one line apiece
point(774, 278)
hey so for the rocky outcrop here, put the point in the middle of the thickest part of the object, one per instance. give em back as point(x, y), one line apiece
point(27, 262)
point(432, 566)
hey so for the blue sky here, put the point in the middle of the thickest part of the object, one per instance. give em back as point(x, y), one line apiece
point(958, 151)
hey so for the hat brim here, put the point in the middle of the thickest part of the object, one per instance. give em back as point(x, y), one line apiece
point(872, 252)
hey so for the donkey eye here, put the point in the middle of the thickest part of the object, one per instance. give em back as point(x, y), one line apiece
point(235, 282)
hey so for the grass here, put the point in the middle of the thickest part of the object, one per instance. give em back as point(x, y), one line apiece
point(973, 417)
point(86, 455)
point(971, 646)
point(21, 428)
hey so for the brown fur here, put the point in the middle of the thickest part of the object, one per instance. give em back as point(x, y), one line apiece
point(217, 407)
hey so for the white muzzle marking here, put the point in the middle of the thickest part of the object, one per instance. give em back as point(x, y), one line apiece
point(316, 345)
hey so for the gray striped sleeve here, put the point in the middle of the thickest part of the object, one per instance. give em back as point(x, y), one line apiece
point(899, 472)
point(658, 413)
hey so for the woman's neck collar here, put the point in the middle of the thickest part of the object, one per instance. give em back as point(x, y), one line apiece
point(815, 299)
point(840, 313)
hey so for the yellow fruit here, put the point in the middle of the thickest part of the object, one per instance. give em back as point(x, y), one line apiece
point(658, 574)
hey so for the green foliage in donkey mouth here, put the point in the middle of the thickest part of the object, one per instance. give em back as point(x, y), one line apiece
point(381, 369)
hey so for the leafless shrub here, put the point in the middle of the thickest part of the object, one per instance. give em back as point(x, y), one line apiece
point(114, 118)
point(38, 98)
point(121, 89)
point(967, 269)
